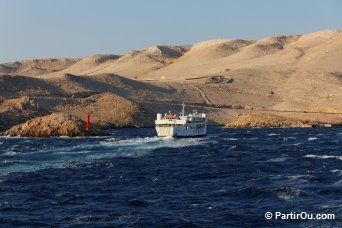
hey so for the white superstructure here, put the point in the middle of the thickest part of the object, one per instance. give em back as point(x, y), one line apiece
point(191, 125)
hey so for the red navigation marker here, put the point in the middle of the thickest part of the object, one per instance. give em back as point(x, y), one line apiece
point(87, 122)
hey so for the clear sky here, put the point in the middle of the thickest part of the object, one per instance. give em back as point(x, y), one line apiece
point(73, 28)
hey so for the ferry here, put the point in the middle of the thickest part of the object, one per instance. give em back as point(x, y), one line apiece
point(191, 125)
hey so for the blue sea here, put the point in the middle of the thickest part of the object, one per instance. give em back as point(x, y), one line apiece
point(132, 178)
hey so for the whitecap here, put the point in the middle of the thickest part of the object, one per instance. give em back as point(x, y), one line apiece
point(10, 153)
point(231, 139)
point(338, 171)
point(125, 217)
point(288, 138)
point(286, 193)
point(298, 176)
point(323, 156)
point(231, 148)
point(148, 143)
point(312, 138)
point(281, 159)
point(285, 196)
point(195, 205)
point(338, 183)
point(272, 134)
point(331, 206)
point(63, 137)
point(73, 152)
point(7, 162)
point(84, 218)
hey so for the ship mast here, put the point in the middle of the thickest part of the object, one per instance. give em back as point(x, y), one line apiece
point(183, 109)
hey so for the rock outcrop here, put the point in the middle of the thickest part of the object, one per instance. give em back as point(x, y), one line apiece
point(263, 120)
point(18, 117)
point(110, 110)
point(56, 124)
point(17, 111)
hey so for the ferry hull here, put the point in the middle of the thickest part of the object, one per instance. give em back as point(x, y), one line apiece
point(177, 132)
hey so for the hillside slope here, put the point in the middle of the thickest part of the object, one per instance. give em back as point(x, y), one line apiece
point(289, 73)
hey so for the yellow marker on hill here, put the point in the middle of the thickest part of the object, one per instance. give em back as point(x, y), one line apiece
point(162, 77)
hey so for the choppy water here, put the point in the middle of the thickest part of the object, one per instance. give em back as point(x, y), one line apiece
point(132, 178)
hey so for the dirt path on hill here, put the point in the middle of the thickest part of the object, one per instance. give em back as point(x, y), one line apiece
point(203, 95)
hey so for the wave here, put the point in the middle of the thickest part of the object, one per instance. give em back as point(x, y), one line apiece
point(300, 179)
point(231, 148)
point(281, 159)
point(323, 156)
point(56, 156)
point(255, 138)
point(10, 153)
point(272, 134)
point(338, 171)
point(282, 192)
point(298, 176)
point(286, 193)
point(149, 143)
point(312, 138)
point(288, 138)
point(231, 139)
point(338, 183)
point(330, 206)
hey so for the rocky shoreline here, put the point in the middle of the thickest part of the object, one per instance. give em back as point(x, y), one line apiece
point(63, 124)
point(36, 117)
point(266, 120)
point(32, 117)
point(57, 124)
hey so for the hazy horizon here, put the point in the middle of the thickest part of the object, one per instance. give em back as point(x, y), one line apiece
point(42, 29)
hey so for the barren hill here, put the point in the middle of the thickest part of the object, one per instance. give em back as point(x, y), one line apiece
point(314, 51)
point(37, 66)
point(226, 77)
